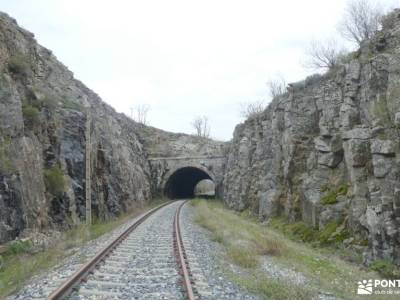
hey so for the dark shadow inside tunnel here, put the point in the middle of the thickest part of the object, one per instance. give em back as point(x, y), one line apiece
point(181, 184)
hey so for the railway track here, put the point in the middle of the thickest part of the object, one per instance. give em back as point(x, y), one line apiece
point(146, 261)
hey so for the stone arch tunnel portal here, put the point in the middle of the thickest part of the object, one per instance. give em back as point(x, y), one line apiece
point(182, 183)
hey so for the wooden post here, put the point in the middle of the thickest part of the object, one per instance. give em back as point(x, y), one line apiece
point(88, 189)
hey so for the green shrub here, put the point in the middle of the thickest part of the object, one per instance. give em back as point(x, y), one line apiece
point(306, 233)
point(386, 268)
point(30, 114)
point(18, 247)
point(326, 233)
point(332, 233)
point(50, 103)
point(18, 65)
point(70, 104)
point(54, 180)
point(40, 99)
point(343, 190)
point(331, 196)
point(297, 231)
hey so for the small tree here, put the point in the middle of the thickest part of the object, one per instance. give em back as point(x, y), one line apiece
point(361, 21)
point(323, 55)
point(139, 113)
point(251, 109)
point(276, 86)
point(201, 126)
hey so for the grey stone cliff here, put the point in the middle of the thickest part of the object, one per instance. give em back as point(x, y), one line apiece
point(326, 151)
point(43, 113)
point(332, 137)
point(43, 121)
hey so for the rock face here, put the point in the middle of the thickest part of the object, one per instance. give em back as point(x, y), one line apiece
point(43, 114)
point(328, 149)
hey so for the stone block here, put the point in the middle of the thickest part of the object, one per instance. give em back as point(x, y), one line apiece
point(382, 165)
point(328, 144)
point(360, 133)
point(385, 147)
point(358, 152)
point(330, 159)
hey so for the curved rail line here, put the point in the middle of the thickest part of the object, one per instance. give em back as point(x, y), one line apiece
point(181, 256)
point(80, 275)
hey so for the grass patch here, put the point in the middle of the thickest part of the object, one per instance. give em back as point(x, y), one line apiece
point(270, 288)
point(18, 65)
point(54, 180)
point(49, 102)
point(386, 268)
point(30, 114)
point(243, 257)
point(244, 241)
point(322, 266)
point(70, 104)
point(18, 247)
point(331, 196)
point(41, 99)
point(20, 264)
point(333, 234)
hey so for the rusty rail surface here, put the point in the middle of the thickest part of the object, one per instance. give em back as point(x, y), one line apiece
point(181, 256)
point(66, 288)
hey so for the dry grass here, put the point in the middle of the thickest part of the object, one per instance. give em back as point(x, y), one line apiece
point(243, 257)
point(269, 288)
point(246, 240)
point(19, 266)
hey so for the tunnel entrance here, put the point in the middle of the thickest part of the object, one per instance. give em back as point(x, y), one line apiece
point(205, 189)
point(181, 184)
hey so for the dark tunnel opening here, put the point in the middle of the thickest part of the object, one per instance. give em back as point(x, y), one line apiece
point(181, 184)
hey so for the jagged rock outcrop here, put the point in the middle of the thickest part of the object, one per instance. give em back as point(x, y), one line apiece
point(43, 114)
point(328, 149)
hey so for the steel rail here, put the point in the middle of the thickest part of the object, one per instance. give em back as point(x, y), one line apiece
point(181, 256)
point(79, 275)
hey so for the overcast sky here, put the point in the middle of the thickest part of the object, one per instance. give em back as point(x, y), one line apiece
point(183, 58)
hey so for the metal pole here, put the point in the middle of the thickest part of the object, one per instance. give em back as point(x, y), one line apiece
point(87, 172)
